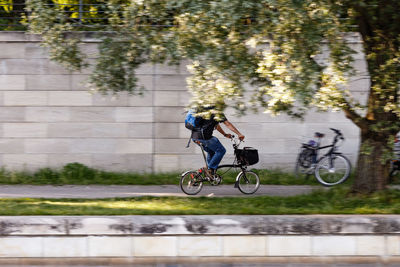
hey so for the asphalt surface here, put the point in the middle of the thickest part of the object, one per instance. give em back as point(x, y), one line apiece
point(112, 191)
point(231, 265)
point(238, 262)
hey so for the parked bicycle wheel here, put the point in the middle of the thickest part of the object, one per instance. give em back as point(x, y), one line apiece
point(333, 172)
point(248, 182)
point(191, 182)
point(304, 164)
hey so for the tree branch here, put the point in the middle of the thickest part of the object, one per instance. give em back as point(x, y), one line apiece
point(349, 112)
point(362, 19)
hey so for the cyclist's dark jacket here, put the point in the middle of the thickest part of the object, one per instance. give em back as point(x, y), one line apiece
point(207, 127)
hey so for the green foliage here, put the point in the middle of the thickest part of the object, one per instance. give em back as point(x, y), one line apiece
point(6, 5)
point(333, 201)
point(54, 25)
point(112, 72)
point(77, 172)
point(10, 15)
point(295, 53)
point(226, 41)
point(45, 175)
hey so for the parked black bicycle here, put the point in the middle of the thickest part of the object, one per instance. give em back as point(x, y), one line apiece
point(247, 182)
point(331, 169)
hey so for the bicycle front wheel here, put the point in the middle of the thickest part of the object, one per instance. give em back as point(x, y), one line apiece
point(191, 182)
point(248, 182)
point(332, 170)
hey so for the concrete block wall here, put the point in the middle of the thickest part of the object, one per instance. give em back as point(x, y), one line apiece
point(48, 118)
point(208, 246)
point(133, 237)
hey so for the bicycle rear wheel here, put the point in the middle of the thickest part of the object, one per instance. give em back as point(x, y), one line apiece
point(332, 173)
point(191, 182)
point(248, 182)
point(304, 167)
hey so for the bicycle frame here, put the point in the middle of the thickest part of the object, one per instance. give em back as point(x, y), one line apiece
point(241, 166)
point(331, 151)
point(204, 154)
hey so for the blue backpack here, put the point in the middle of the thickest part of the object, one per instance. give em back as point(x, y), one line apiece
point(192, 122)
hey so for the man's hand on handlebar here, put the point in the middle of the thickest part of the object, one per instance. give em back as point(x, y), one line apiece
point(230, 136)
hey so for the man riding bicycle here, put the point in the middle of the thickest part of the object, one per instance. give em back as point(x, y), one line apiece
point(215, 150)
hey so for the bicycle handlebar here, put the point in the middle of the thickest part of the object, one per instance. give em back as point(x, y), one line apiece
point(235, 140)
point(338, 132)
point(339, 136)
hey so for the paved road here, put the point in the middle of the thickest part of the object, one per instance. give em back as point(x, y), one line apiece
point(110, 191)
point(239, 263)
point(369, 264)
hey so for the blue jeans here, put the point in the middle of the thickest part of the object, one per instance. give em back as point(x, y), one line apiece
point(215, 151)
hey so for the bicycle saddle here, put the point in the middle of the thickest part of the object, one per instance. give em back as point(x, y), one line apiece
point(319, 135)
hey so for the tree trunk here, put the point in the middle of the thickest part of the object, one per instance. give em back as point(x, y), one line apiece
point(379, 34)
point(372, 169)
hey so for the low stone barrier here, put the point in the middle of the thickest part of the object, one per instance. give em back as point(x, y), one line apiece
point(199, 236)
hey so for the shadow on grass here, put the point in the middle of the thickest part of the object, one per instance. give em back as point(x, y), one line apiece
point(334, 201)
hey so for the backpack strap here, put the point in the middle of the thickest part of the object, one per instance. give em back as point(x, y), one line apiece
point(190, 139)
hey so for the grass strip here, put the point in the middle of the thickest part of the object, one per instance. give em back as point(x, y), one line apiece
point(79, 174)
point(334, 201)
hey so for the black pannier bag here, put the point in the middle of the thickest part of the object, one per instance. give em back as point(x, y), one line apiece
point(247, 155)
